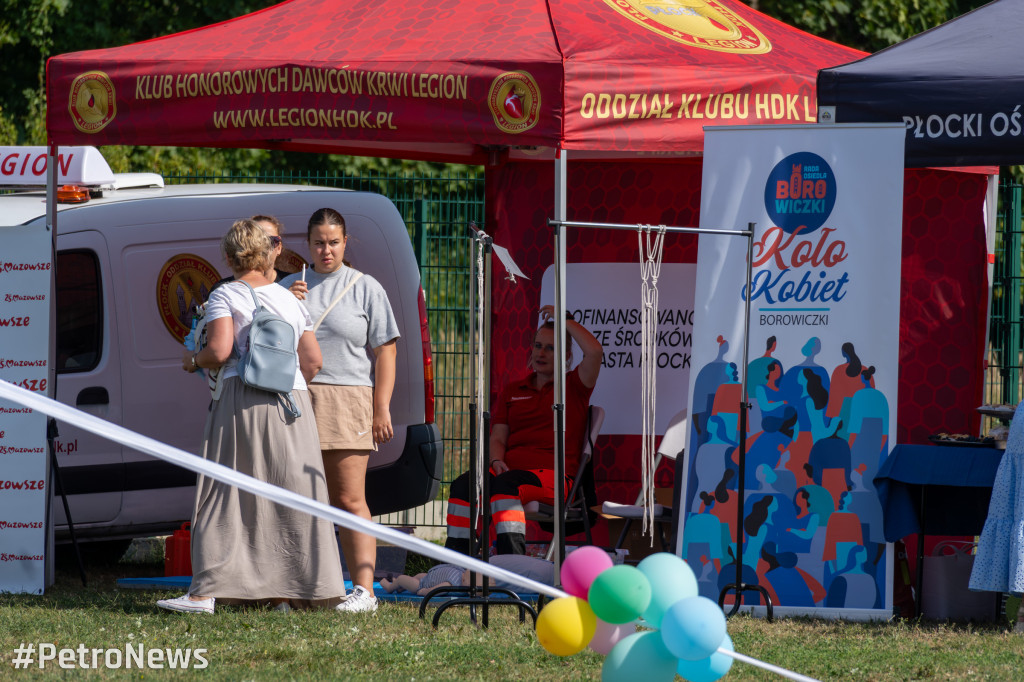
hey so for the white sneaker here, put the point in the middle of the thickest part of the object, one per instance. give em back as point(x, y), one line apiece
point(184, 604)
point(359, 600)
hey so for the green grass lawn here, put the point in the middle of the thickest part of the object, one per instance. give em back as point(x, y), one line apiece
point(394, 644)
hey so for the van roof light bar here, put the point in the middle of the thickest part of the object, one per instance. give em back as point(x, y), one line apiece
point(26, 167)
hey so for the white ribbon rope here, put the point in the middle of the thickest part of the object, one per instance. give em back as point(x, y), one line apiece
point(650, 270)
point(224, 474)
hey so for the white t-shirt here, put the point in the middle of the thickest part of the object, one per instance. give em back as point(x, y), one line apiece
point(234, 300)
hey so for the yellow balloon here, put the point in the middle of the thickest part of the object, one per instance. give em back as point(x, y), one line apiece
point(565, 626)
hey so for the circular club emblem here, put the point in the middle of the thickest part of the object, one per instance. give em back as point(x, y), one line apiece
point(800, 193)
point(92, 103)
point(289, 262)
point(514, 101)
point(184, 283)
point(698, 23)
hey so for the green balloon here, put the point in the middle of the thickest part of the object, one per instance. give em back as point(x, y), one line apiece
point(619, 594)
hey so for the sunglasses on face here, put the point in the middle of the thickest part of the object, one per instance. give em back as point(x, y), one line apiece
point(275, 241)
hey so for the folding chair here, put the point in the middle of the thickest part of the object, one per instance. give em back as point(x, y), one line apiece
point(577, 507)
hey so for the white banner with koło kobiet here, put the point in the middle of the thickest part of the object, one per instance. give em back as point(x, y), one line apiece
point(822, 367)
point(606, 299)
point(25, 269)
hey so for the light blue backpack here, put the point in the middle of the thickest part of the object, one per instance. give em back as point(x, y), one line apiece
point(270, 358)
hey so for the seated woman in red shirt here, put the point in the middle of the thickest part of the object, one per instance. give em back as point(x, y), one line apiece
point(522, 450)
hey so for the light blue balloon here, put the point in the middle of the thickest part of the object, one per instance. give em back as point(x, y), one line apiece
point(641, 656)
point(708, 669)
point(671, 579)
point(693, 628)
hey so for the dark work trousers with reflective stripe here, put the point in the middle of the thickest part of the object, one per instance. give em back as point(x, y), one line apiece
point(509, 492)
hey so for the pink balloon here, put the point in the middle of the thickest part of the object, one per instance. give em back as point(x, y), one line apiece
point(607, 635)
point(580, 568)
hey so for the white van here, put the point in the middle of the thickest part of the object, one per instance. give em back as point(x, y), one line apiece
point(131, 265)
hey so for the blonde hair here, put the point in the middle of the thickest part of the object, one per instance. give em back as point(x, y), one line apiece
point(246, 246)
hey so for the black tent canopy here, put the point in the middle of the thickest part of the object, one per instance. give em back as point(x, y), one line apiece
point(959, 88)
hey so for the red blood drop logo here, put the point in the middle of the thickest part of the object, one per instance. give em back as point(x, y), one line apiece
point(92, 100)
point(514, 105)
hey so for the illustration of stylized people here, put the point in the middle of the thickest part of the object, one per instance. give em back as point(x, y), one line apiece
point(713, 457)
point(869, 424)
point(723, 502)
point(757, 525)
point(712, 375)
point(830, 465)
point(785, 481)
point(778, 573)
point(863, 501)
point(841, 535)
point(794, 384)
point(757, 370)
point(767, 448)
point(845, 382)
point(851, 586)
point(703, 541)
point(814, 507)
point(770, 410)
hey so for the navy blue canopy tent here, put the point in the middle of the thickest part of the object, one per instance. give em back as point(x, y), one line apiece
point(959, 88)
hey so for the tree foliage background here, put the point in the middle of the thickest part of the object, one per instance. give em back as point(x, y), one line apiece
point(33, 30)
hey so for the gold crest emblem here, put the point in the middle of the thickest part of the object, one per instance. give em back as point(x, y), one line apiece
point(706, 24)
point(183, 284)
point(514, 101)
point(92, 103)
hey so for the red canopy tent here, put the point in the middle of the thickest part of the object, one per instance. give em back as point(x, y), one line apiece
point(624, 86)
point(448, 81)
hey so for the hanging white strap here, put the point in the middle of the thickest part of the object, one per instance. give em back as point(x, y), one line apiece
point(335, 301)
point(650, 270)
point(481, 399)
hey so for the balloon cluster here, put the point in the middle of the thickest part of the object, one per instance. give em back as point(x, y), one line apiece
point(687, 629)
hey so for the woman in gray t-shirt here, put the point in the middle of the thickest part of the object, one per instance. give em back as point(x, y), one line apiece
point(351, 395)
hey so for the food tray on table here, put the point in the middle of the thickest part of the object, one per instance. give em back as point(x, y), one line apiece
point(998, 411)
point(962, 440)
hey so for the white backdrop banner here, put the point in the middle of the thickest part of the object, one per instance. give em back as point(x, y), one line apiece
point(25, 268)
point(605, 298)
point(822, 366)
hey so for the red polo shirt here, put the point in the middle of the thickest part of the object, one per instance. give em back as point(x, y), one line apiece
point(531, 422)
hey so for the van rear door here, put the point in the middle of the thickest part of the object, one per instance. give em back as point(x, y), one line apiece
point(89, 378)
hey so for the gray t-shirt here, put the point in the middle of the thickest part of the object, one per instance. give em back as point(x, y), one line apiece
point(360, 321)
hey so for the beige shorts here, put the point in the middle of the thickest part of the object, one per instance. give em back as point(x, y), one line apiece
point(344, 416)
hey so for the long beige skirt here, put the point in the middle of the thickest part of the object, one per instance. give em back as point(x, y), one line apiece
point(245, 547)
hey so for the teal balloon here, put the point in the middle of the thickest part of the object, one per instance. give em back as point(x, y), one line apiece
point(693, 628)
point(641, 656)
point(619, 594)
point(708, 669)
point(671, 579)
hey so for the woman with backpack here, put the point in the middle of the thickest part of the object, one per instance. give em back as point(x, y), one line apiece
point(352, 393)
point(245, 547)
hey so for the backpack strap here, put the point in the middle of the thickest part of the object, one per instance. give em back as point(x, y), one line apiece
point(335, 301)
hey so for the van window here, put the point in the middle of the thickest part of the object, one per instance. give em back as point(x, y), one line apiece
point(79, 311)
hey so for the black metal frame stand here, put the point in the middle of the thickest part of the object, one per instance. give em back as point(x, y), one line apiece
point(478, 547)
point(51, 435)
point(559, 226)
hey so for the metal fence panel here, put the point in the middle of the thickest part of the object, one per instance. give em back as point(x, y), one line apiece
point(1006, 343)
